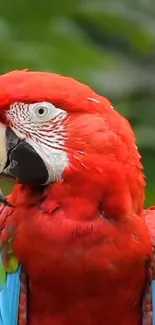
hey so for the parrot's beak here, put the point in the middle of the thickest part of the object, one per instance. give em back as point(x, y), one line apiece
point(3, 151)
point(3, 159)
point(19, 160)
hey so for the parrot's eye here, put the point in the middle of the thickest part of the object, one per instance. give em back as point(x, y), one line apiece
point(44, 111)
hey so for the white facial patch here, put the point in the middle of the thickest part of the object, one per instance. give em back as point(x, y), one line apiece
point(54, 159)
point(41, 125)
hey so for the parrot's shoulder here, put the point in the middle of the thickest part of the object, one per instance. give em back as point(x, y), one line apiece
point(8, 262)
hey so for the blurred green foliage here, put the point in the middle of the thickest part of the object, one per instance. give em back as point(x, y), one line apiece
point(108, 44)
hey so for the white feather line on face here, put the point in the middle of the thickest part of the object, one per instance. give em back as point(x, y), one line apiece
point(55, 159)
point(45, 137)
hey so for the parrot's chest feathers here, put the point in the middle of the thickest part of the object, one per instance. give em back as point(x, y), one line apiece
point(70, 261)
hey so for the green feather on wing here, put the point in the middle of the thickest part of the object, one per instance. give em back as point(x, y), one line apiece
point(8, 262)
point(2, 274)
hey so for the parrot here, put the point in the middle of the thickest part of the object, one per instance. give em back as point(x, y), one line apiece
point(76, 243)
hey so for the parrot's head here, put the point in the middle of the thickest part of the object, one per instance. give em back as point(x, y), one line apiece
point(53, 128)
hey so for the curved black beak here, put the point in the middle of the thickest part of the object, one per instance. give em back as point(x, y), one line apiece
point(22, 162)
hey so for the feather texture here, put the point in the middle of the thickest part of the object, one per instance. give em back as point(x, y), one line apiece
point(9, 275)
point(82, 239)
point(9, 298)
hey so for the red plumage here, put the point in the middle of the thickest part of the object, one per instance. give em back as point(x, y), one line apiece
point(82, 240)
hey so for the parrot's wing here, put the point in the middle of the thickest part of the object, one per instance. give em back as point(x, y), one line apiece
point(9, 299)
point(149, 298)
point(13, 293)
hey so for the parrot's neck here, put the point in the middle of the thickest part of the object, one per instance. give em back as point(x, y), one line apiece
point(106, 188)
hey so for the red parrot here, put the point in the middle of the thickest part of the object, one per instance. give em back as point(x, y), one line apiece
point(75, 220)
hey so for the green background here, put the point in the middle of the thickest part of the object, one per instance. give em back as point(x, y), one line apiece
point(108, 44)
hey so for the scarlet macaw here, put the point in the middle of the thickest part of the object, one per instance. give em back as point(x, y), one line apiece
point(75, 248)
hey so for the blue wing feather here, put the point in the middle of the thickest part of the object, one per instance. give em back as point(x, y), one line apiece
point(9, 299)
point(153, 300)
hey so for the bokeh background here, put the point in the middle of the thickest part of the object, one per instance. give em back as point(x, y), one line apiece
point(108, 44)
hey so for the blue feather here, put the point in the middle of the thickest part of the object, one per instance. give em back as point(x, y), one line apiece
point(9, 299)
point(153, 301)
